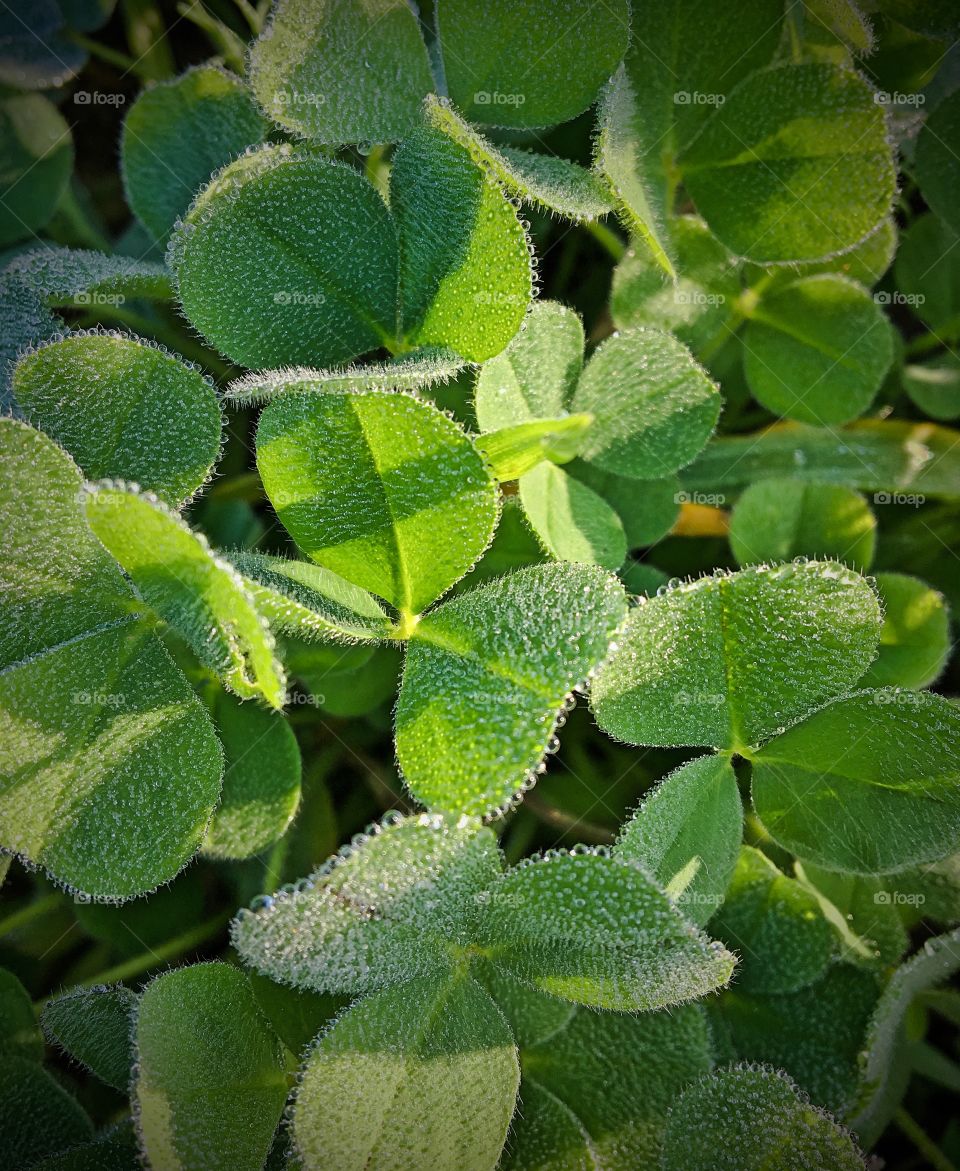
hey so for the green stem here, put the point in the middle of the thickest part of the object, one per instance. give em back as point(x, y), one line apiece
point(922, 1141)
point(103, 52)
point(158, 956)
point(30, 912)
point(606, 238)
point(926, 343)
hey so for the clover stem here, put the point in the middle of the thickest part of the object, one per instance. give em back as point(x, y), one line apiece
point(607, 239)
point(30, 912)
point(922, 1141)
point(405, 625)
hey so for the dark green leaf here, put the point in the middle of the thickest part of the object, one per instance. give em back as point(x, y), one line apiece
point(94, 1026)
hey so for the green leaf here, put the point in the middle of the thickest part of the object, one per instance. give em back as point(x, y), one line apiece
point(597, 930)
point(775, 923)
point(186, 584)
point(647, 508)
point(863, 911)
point(817, 350)
point(749, 1119)
point(783, 518)
point(546, 181)
point(395, 906)
point(198, 1103)
point(882, 1083)
point(176, 134)
point(619, 154)
point(535, 376)
point(878, 455)
point(867, 784)
point(97, 724)
point(94, 1026)
point(533, 1016)
point(424, 1074)
point(706, 662)
point(487, 676)
point(570, 1106)
point(261, 780)
point(412, 371)
point(928, 274)
point(865, 264)
point(19, 1035)
point(654, 408)
point(295, 1016)
point(936, 166)
point(73, 278)
point(934, 386)
point(915, 639)
point(123, 409)
point(571, 521)
point(517, 449)
point(794, 166)
point(292, 292)
point(39, 1117)
point(37, 149)
point(696, 305)
point(687, 834)
point(36, 51)
point(306, 600)
point(342, 72)
point(115, 1149)
point(465, 272)
point(383, 489)
point(525, 63)
point(815, 1035)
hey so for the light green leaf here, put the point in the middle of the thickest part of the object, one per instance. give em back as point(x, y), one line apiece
point(176, 134)
point(783, 518)
point(546, 181)
point(815, 1035)
point(412, 371)
point(776, 925)
point(654, 407)
point(396, 906)
point(288, 258)
point(750, 1119)
point(186, 584)
point(94, 1027)
point(817, 350)
point(37, 149)
point(696, 305)
point(915, 639)
point(570, 1106)
point(524, 63)
point(597, 930)
point(877, 455)
point(863, 911)
point(882, 1083)
point(424, 1074)
point(647, 508)
point(343, 70)
point(535, 376)
point(927, 273)
point(517, 449)
point(687, 834)
point(866, 785)
point(97, 724)
point(571, 521)
point(487, 675)
point(795, 165)
point(707, 663)
point(465, 274)
point(306, 600)
point(936, 165)
point(865, 264)
point(261, 779)
point(383, 489)
point(39, 1117)
point(123, 409)
point(199, 1103)
point(19, 1035)
point(934, 386)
